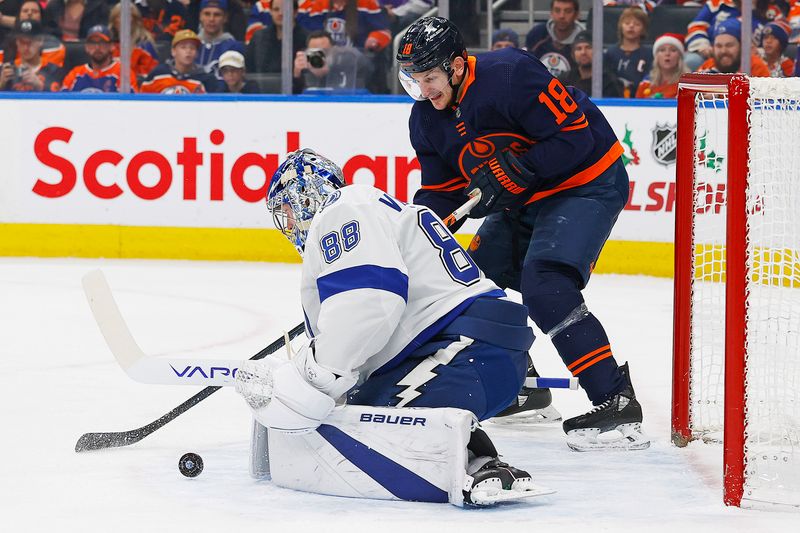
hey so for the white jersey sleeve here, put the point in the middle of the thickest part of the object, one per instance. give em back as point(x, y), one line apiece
point(380, 278)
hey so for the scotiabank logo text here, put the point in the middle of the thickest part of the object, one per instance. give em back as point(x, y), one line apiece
point(184, 166)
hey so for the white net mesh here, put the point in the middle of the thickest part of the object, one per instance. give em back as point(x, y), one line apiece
point(772, 396)
point(708, 289)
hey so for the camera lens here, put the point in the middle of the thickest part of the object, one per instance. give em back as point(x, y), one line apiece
point(316, 58)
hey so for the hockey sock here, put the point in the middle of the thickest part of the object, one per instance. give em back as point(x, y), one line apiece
point(555, 303)
point(585, 349)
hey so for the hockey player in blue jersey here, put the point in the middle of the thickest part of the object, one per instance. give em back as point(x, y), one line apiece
point(552, 181)
point(400, 317)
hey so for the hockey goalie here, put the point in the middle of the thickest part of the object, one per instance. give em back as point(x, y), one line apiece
point(407, 336)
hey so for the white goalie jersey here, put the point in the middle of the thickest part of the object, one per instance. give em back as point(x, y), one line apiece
point(380, 278)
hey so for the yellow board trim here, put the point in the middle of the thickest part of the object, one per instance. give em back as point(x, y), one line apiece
point(230, 244)
point(135, 242)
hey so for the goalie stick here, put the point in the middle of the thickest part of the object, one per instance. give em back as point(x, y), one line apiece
point(119, 338)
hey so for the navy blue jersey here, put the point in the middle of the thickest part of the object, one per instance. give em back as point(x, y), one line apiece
point(630, 67)
point(509, 101)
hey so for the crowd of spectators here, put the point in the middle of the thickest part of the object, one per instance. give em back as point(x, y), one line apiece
point(178, 46)
point(710, 43)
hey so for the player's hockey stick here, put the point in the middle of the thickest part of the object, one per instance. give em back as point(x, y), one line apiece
point(461, 212)
point(124, 347)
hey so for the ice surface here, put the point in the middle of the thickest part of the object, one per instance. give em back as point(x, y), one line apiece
point(59, 381)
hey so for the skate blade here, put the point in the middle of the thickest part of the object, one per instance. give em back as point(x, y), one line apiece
point(626, 437)
point(534, 417)
point(490, 497)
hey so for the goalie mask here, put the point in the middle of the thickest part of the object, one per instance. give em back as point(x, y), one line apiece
point(298, 191)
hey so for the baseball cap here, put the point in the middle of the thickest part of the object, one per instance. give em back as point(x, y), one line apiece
point(100, 31)
point(185, 35)
point(28, 28)
point(219, 4)
point(231, 58)
point(506, 34)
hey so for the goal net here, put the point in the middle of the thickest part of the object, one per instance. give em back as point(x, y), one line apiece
point(736, 353)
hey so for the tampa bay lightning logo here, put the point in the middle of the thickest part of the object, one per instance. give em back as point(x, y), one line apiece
point(331, 199)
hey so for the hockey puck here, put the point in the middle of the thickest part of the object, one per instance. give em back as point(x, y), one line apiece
point(190, 464)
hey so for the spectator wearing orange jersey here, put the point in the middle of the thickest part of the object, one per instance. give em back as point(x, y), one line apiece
point(727, 52)
point(144, 57)
point(774, 39)
point(668, 65)
point(259, 18)
point(163, 18)
point(102, 74)
point(53, 50)
point(30, 74)
point(181, 75)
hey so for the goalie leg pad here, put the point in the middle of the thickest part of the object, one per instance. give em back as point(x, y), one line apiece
point(385, 453)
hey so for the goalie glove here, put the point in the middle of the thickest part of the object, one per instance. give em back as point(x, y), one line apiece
point(502, 182)
point(291, 396)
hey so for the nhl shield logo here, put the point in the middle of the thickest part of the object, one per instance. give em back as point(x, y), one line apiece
point(665, 143)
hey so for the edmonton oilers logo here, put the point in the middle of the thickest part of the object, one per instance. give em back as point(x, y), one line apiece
point(478, 151)
point(480, 148)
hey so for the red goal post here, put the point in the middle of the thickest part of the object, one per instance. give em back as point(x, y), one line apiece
point(736, 338)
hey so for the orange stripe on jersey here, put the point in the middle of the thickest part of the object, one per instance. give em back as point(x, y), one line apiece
point(580, 123)
point(171, 85)
point(587, 356)
point(445, 185)
point(590, 363)
point(584, 176)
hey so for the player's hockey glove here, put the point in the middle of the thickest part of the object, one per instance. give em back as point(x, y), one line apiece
point(502, 182)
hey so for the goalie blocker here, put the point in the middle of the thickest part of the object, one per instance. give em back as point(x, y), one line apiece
point(384, 453)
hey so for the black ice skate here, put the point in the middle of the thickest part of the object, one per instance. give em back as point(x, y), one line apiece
point(615, 424)
point(533, 406)
point(490, 480)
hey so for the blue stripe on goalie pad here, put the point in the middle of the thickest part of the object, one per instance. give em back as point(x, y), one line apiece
point(363, 277)
point(397, 479)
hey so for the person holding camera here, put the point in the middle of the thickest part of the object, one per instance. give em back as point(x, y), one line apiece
point(30, 74)
point(325, 66)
